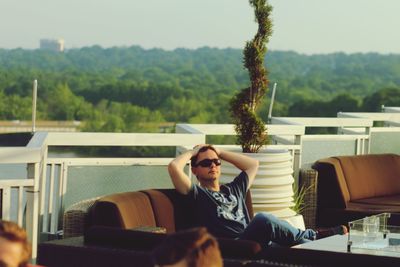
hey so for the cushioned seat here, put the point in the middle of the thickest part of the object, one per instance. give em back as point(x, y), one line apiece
point(381, 201)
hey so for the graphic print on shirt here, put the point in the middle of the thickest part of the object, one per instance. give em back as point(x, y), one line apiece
point(227, 207)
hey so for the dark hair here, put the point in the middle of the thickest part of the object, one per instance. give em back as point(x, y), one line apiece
point(196, 246)
point(193, 160)
point(14, 233)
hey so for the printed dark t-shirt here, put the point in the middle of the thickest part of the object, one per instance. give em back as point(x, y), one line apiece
point(224, 213)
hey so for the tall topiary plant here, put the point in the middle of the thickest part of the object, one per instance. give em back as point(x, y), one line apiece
point(250, 128)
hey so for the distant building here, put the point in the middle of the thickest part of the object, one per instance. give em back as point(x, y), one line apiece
point(52, 44)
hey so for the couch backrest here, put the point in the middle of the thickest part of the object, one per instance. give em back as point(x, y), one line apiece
point(172, 210)
point(153, 207)
point(358, 177)
point(177, 213)
point(371, 175)
point(123, 210)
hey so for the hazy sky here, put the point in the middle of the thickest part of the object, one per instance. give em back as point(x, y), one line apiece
point(305, 26)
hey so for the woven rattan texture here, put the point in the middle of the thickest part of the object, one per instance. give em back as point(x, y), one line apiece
point(308, 180)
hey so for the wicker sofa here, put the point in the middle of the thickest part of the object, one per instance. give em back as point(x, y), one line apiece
point(352, 187)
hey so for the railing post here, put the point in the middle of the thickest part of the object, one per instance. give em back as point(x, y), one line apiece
point(5, 202)
point(32, 207)
point(359, 146)
point(368, 143)
point(42, 183)
point(62, 189)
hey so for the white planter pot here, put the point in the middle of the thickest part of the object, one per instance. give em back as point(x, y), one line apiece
point(272, 190)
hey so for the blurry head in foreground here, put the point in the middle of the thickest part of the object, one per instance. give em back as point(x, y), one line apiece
point(15, 250)
point(190, 248)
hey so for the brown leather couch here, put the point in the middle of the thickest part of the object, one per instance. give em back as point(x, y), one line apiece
point(352, 187)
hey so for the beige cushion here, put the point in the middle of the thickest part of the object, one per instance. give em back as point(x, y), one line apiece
point(371, 175)
point(163, 209)
point(124, 210)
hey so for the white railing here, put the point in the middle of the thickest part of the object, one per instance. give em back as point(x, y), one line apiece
point(390, 116)
point(288, 132)
point(361, 137)
point(323, 122)
point(391, 109)
point(33, 155)
point(6, 186)
point(371, 116)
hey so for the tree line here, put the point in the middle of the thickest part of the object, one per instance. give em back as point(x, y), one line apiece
point(125, 89)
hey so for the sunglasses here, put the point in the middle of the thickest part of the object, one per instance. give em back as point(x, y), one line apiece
point(208, 162)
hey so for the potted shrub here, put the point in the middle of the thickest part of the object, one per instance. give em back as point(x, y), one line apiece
point(272, 190)
point(250, 128)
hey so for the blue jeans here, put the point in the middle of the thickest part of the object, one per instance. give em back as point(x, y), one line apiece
point(266, 229)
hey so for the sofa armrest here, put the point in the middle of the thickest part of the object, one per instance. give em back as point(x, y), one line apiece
point(238, 249)
point(308, 180)
point(75, 217)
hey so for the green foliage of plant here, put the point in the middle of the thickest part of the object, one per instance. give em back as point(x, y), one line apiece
point(299, 197)
point(249, 127)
